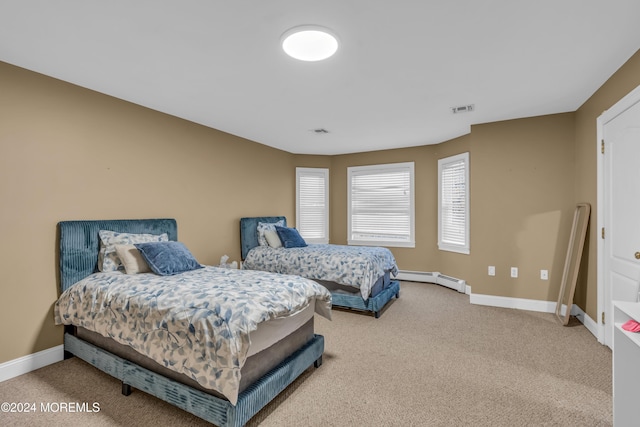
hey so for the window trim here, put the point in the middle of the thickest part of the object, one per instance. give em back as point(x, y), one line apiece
point(464, 248)
point(412, 211)
point(324, 172)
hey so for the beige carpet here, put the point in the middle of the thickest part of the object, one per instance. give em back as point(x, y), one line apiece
point(432, 359)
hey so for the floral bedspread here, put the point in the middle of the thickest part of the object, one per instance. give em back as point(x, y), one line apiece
point(196, 323)
point(356, 266)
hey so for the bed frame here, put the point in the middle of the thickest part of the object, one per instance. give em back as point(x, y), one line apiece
point(79, 246)
point(374, 304)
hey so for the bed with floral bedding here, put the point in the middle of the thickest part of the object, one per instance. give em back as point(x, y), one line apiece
point(179, 330)
point(359, 277)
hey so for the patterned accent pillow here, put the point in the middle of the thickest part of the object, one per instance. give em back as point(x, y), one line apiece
point(262, 226)
point(108, 258)
point(168, 258)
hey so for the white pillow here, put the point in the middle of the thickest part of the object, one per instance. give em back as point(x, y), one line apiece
point(262, 226)
point(108, 258)
point(272, 238)
point(132, 259)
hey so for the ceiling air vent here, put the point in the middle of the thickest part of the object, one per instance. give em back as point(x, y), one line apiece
point(463, 109)
point(320, 131)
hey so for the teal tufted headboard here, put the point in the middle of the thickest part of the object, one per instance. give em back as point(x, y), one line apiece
point(249, 233)
point(80, 243)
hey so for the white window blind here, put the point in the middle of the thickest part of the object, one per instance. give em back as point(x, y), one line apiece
point(381, 205)
point(312, 204)
point(453, 203)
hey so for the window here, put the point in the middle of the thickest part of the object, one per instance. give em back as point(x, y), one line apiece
point(312, 204)
point(381, 205)
point(453, 203)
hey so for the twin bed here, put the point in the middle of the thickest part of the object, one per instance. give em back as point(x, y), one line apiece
point(218, 343)
point(358, 277)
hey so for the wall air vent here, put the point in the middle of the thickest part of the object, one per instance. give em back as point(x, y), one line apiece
point(463, 109)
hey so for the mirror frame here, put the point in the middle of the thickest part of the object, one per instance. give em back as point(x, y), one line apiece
point(572, 261)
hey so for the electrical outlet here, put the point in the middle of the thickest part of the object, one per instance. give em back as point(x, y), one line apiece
point(492, 270)
point(544, 274)
point(514, 271)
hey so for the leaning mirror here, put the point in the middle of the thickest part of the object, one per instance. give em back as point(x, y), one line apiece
point(572, 262)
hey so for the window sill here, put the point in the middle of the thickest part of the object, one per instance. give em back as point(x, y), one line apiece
point(381, 243)
point(456, 249)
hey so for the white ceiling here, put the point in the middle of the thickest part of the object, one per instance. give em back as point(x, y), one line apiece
point(400, 67)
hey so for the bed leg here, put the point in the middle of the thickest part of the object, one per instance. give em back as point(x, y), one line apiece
point(318, 362)
point(71, 330)
point(397, 294)
point(126, 389)
point(377, 314)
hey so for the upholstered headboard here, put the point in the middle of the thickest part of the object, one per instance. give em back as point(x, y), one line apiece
point(80, 243)
point(249, 232)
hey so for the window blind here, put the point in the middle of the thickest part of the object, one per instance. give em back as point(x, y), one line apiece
point(381, 204)
point(312, 208)
point(453, 201)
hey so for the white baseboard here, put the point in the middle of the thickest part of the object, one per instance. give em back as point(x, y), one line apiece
point(588, 322)
point(517, 303)
point(498, 301)
point(31, 362)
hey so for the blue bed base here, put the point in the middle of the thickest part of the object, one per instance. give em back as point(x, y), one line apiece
point(374, 304)
point(79, 246)
point(210, 408)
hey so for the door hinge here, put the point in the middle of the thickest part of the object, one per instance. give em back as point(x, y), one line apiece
point(603, 317)
point(602, 232)
point(602, 146)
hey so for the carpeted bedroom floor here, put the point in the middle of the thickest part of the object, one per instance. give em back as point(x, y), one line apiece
point(432, 359)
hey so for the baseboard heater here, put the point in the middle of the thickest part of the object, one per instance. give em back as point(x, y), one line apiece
point(433, 277)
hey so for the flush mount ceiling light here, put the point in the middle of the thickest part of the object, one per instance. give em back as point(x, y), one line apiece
point(309, 43)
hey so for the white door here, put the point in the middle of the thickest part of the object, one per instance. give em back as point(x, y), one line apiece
point(621, 211)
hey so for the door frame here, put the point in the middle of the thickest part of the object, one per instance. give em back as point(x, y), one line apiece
point(618, 108)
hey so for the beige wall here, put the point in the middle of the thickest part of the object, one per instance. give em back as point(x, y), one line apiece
point(521, 191)
point(69, 153)
point(521, 204)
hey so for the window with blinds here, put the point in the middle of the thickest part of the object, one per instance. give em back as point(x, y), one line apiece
point(453, 203)
point(312, 204)
point(381, 205)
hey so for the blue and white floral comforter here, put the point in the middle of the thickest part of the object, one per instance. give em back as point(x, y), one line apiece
point(356, 266)
point(196, 323)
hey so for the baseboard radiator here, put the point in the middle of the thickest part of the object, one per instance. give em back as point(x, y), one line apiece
point(433, 277)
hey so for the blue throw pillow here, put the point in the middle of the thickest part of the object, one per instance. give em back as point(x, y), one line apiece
point(290, 237)
point(168, 258)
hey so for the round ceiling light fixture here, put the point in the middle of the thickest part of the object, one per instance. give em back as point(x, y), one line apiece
point(309, 43)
